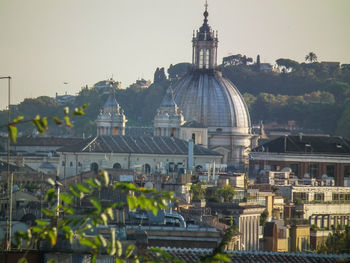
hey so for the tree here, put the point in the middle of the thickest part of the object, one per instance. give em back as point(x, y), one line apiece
point(263, 218)
point(179, 70)
point(227, 193)
point(311, 57)
point(159, 75)
point(337, 242)
point(287, 65)
point(198, 191)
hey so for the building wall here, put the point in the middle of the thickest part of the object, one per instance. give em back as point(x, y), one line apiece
point(300, 238)
point(273, 161)
point(76, 163)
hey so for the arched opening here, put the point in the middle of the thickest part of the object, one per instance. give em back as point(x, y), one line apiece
point(94, 167)
point(199, 168)
point(147, 168)
point(117, 166)
point(194, 138)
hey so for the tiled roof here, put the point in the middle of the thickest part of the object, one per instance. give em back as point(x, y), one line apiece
point(193, 124)
point(138, 131)
point(45, 141)
point(194, 255)
point(306, 144)
point(136, 145)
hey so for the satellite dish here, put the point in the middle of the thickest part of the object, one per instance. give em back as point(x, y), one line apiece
point(149, 185)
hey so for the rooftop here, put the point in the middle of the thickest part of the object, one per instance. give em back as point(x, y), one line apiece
point(319, 144)
point(136, 145)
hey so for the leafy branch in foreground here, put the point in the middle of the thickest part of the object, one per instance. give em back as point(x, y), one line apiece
point(79, 225)
point(41, 123)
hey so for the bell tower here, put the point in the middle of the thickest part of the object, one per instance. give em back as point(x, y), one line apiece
point(204, 45)
point(168, 119)
point(111, 119)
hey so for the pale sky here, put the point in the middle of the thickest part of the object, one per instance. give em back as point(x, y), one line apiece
point(46, 43)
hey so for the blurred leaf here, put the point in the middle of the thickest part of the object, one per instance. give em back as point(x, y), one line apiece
point(17, 120)
point(109, 212)
point(102, 240)
point(83, 188)
point(43, 123)
point(87, 242)
point(129, 251)
point(96, 203)
point(37, 123)
point(93, 182)
point(41, 222)
point(57, 120)
point(104, 218)
point(66, 110)
point(48, 212)
point(74, 191)
point(119, 248)
point(22, 260)
point(105, 177)
point(119, 260)
point(13, 132)
point(67, 121)
point(132, 202)
point(53, 235)
point(67, 198)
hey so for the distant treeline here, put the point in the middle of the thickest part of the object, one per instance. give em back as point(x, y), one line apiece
point(315, 95)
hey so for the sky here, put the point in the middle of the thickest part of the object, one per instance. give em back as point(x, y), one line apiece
point(45, 44)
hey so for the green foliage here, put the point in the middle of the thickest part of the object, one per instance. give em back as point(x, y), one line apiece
point(179, 70)
point(227, 193)
point(337, 242)
point(198, 191)
point(41, 123)
point(80, 225)
point(263, 218)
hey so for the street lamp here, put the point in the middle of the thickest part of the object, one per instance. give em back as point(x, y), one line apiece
point(9, 218)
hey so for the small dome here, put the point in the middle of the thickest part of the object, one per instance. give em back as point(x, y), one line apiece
point(168, 100)
point(111, 102)
point(210, 99)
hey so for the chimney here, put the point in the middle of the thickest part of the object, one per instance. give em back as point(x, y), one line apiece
point(190, 155)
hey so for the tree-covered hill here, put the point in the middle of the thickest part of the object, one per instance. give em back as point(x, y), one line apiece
point(315, 95)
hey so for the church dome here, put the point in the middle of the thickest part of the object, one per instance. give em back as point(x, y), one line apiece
point(207, 97)
point(204, 95)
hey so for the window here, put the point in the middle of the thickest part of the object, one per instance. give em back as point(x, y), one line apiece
point(339, 197)
point(94, 167)
point(63, 163)
point(330, 170)
point(302, 196)
point(295, 168)
point(71, 164)
point(201, 58)
point(147, 168)
point(79, 164)
point(313, 170)
point(117, 166)
point(319, 196)
point(347, 197)
point(206, 63)
point(347, 171)
point(194, 138)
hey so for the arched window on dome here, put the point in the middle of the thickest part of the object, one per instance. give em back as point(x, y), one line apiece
point(194, 138)
point(201, 58)
point(206, 62)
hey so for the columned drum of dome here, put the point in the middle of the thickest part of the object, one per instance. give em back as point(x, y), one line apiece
point(205, 96)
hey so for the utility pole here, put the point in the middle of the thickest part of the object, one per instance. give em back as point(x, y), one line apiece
point(9, 194)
